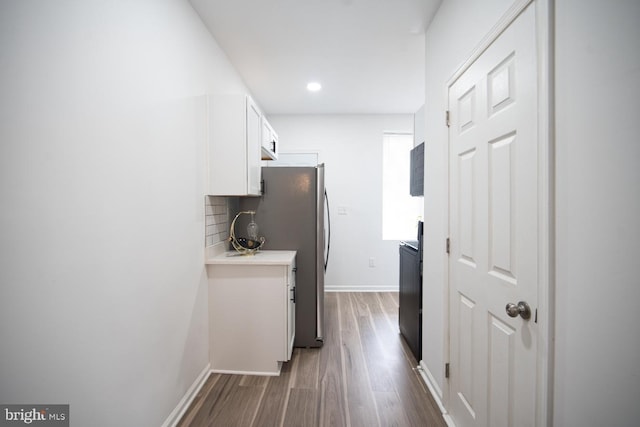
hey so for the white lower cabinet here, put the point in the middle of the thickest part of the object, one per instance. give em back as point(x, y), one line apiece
point(251, 312)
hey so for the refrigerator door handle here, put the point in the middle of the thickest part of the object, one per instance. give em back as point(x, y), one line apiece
point(326, 256)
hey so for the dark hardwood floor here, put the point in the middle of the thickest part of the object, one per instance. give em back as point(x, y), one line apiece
point(364, 375)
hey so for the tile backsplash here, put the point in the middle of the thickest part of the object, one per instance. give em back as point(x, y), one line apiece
point(216, 219)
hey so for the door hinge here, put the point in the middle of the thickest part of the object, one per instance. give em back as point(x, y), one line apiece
point(448, 118)
point(446, 370)
point(448, 245)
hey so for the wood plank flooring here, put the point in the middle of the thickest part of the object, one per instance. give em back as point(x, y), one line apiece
point(364, 375)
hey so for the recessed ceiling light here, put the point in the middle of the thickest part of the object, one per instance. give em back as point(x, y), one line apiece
point(314, 86)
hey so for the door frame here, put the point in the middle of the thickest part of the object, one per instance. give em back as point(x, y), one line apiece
point(546, 198)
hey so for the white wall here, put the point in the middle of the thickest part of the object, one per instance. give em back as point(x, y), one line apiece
point(455, 31)
point(597, 366)
point(103, 298)
point(351, 148)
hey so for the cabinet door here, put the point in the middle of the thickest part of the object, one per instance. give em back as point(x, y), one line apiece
point(269, 141)
point(409, 313)
point(291, 311)
point(254, 139)
point(234, 144)
point(417, 171)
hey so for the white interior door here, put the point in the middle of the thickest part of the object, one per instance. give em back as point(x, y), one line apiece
point(494, 231)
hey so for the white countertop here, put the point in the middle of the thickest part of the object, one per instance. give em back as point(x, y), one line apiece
point(259, 258)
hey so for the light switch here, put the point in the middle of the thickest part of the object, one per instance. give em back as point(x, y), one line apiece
point(342, 210)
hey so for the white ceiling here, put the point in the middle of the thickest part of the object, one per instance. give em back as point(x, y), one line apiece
point(367, 54)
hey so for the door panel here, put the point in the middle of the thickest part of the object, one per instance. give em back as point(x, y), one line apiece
point(502, 213)
point(466, 351)
point(501, 363)
point(494, 231)
point(501, 85)
point(466, 205)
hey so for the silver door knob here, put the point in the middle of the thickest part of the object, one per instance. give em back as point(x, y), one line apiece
point(522, 309)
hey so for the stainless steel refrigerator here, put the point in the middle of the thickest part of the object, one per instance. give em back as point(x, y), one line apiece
point(292, 214)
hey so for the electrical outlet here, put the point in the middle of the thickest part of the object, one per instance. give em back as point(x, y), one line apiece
point(372, 262)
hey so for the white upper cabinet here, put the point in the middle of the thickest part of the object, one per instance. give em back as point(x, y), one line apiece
point(234, 145)
point(269, 141)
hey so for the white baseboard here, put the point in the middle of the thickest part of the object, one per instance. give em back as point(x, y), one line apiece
point(177, 413)
point(361, 288)
point(436, 392)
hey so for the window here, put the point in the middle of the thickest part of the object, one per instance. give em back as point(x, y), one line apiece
point(400, 211)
